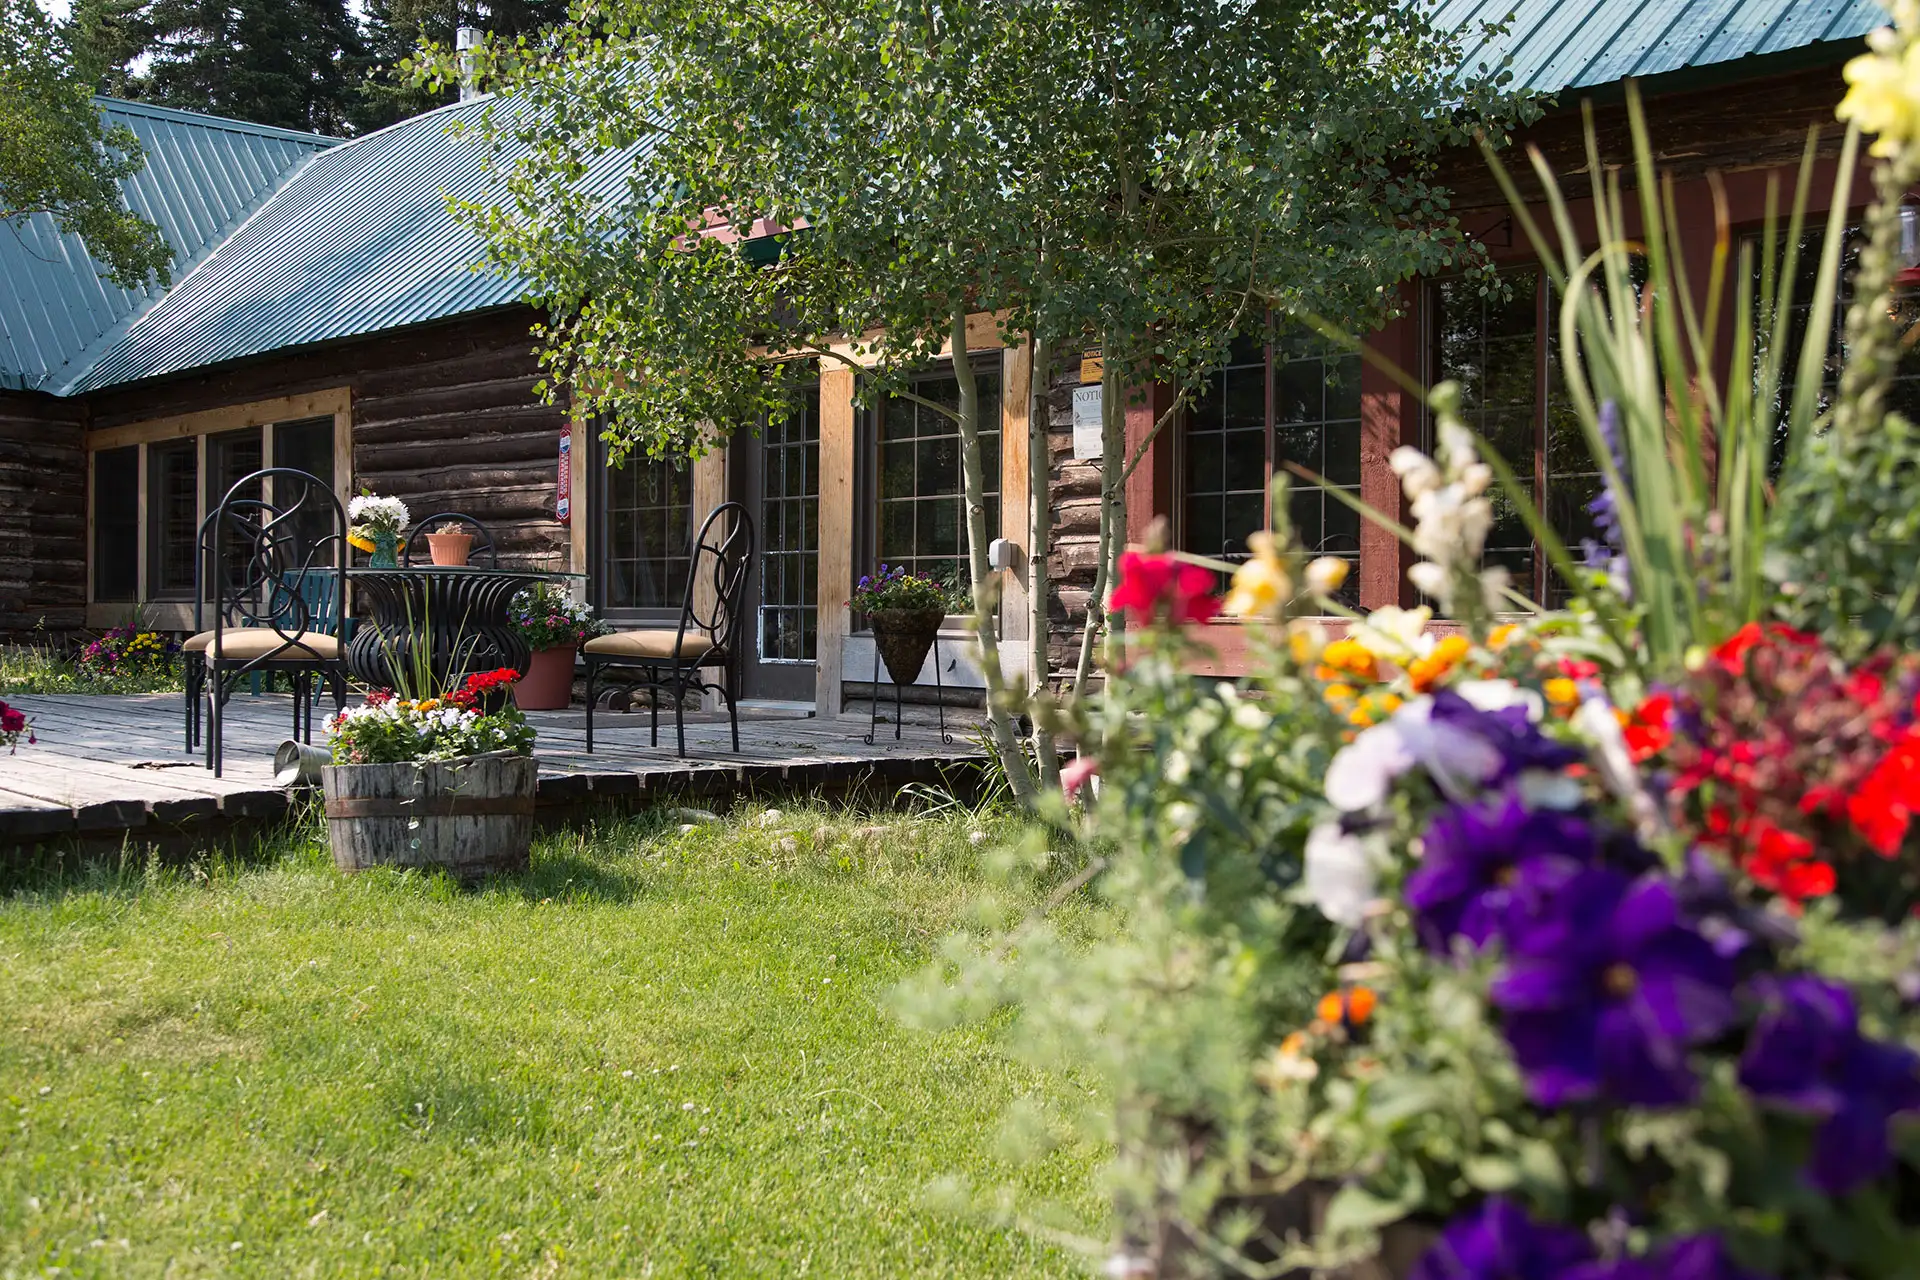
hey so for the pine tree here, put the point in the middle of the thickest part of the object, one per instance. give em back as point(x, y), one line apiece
point(393, 29)
point(107, 37)
point(278, 62)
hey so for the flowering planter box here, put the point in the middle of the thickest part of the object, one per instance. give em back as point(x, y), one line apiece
point(471, 816)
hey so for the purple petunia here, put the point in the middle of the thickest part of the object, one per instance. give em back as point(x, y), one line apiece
point(1499, 1241)
point(1806, 1052)
point(1509, 730)
point(1484, 865)
point(1605, 990)
point(1693, 1258)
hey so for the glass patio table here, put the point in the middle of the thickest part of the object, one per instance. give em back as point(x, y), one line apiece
point(458, 613)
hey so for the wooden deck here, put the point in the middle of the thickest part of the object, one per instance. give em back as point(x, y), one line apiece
point(116, 767)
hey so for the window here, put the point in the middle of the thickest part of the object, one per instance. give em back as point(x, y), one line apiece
point(231, 457)
point(1298, 403)
point(923, 521)
point(185, 478)
point(646, 510)
point(307, 445)
point(790, 532)
point(172, 518)
point(1490, 345)
point(1904, 395)
point(116, 524)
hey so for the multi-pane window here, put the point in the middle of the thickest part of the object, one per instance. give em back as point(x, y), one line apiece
point(922, 511)
point(790, 531)
point(1504, 351)
point(1903, 396)
point(648, 506)
point(1255, 415)
point(1490, 345)
point(172, 518)
point(116, 524)
point(186, 479)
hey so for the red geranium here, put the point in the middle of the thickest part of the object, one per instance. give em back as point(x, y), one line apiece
point(1789, 760)
point(478, 685)
point(1160, 588)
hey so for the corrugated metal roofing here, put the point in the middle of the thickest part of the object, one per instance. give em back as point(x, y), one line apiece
point(203, 175)
point(361, 240)
point(1572, 44)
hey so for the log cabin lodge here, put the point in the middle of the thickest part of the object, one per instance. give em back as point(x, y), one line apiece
point(324, 314)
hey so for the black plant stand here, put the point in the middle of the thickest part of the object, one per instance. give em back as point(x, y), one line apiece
point(939, 701)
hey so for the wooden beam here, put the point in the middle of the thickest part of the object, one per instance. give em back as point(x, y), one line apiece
point(583, 448)
point(837, 419)
point(1016, 379)
point(335, 401)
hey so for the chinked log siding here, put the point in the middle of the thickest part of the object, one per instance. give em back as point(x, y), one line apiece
point(43, 516)
point(444, 417)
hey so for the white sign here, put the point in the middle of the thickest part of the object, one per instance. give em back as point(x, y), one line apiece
point(1086, 422)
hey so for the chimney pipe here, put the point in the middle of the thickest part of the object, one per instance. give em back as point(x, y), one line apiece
point(465, 41)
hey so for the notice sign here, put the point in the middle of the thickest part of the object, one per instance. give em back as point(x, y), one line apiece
point(1086, 422)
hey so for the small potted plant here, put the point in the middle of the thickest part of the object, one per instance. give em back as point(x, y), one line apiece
point(905, 611)
point(440, 782)
point(450, 543)
point(554, 626)
point(375, 525)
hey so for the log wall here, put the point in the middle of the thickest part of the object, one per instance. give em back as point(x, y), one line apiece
point(43, 516)
point(444, 417)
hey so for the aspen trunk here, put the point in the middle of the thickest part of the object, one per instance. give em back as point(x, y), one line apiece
point(985, 589)
point(1039, 541)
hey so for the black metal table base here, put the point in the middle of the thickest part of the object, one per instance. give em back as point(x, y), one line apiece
point(939, 701)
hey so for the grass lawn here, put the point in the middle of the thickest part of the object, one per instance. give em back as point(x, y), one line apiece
point(657, 1054)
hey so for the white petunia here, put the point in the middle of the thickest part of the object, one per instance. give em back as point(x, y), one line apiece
point(1362, 772)
point(1341, 874)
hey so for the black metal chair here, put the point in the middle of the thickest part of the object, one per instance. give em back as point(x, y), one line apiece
point(482, 538)
point(673, 658)
point(275, 548)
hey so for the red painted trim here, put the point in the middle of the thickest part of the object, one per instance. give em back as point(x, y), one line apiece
point(1150, 489)
point(1390, 416)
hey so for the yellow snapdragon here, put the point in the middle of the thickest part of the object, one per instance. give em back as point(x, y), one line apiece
point(1262, 585)
point(1883, 85)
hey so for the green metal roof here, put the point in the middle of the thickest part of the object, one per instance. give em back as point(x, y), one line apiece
point(357, 238)
point(1575, 44)
point(203, 176)
point(360, 240)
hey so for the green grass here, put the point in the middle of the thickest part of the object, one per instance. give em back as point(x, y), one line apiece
point(656, 1054)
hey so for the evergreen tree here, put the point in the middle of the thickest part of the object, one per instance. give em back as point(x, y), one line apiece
point(107, 37)
point(393, 29)
point(278, 62)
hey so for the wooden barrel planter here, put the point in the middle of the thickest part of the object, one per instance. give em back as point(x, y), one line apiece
point(470, 817)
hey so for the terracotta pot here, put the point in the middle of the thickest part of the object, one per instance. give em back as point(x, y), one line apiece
point(450, 549)
point(548, 684)
point(903, 637)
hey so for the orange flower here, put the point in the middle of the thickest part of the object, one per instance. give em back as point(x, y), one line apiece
point(1501, 636)
point(1351, 1007)
point(1447, 654)
point(1349, 658)
point(1561, 692)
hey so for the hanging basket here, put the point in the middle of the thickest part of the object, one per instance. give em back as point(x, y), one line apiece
point(903, 637)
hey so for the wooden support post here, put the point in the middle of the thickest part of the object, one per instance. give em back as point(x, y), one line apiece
point(1016, 377)
point(837, 419)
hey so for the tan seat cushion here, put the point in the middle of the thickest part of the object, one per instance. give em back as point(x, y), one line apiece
point(657, 645)
point(246, 643)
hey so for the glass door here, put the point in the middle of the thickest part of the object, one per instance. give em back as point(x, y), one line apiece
point(778, 474)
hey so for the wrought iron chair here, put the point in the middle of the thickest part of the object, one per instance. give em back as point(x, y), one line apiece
point(482, 538)
point(673, 658)
point(278, 597)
